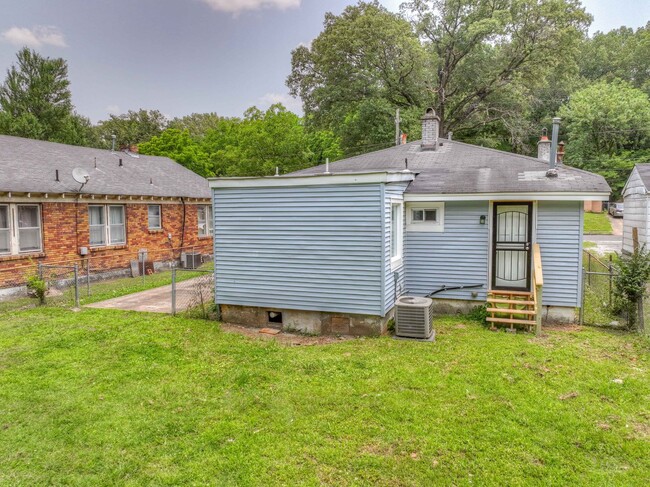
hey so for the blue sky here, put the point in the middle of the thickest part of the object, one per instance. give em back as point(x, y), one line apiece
point(184, 56)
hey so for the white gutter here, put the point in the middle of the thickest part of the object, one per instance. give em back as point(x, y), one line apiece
point(537, 196)
point(312, 180)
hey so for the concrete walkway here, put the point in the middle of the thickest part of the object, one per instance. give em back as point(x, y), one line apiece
point(157, 300)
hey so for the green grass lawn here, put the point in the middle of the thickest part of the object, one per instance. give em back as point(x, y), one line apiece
point(597, 224)
point(103, 397)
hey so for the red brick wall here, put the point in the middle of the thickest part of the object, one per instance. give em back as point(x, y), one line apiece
point(65, 230)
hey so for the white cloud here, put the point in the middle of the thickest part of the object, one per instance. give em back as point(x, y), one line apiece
point(237, 6)
point(37, 36)
point(292, 104)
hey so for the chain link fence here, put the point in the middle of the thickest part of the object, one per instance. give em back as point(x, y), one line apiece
point(192, 293)
point(99, 275)
point(600, 306)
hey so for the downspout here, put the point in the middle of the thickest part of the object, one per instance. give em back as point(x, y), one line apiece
point(183, 225)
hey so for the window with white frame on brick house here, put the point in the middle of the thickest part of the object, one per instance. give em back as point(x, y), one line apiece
point(20, 229)
point(155, 217)
point(205, 221)
point(107, 225)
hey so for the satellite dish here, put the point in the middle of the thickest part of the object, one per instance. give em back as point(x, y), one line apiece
point(80, 175)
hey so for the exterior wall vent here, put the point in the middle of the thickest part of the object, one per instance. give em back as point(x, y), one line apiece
point(414, 317)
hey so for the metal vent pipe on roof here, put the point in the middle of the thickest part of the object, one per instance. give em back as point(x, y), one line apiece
point(554, 138)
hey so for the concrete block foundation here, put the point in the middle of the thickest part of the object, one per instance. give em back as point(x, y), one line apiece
point(308, 322)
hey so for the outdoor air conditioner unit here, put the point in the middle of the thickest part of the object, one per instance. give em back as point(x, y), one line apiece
point(191, 260)
point(414, 317)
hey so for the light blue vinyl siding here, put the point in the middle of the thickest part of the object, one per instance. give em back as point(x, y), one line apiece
point(392, 278)
point(458, 256)
point(559, 234)
point(313, 248)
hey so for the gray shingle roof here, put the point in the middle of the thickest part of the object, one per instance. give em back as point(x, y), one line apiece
point(28, 165)
point(644, 174)
point(459, 168)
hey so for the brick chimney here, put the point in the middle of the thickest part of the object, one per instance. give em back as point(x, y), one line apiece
point(560, 153)
point(544, 147)
point(403, 139)
point(430, 130)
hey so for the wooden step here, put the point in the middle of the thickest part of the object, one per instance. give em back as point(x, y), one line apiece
point(511, 293)
point(510, 311)
point(510, 301)
point(510, 321)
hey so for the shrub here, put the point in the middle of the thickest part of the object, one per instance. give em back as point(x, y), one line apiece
point(38, 286)
point(631, 280)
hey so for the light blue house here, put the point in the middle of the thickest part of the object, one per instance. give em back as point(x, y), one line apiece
point(330, 249)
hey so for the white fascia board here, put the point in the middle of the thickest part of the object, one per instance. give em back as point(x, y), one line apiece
point(415, 197)
point(312, 180)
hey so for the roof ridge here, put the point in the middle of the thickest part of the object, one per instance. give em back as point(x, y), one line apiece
point(83, 147)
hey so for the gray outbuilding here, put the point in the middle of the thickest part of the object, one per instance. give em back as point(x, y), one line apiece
point(636, 213)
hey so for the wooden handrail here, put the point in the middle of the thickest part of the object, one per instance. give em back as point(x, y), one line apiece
point(538, 285)
point(537, 265)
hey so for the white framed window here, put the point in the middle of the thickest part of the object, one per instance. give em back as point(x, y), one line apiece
point(425, 217)
point(205, 221)
point(155, 217)
point(20, 229)
point(107, 225)
point(396, 233)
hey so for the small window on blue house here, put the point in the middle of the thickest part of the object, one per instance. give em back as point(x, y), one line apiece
point(424, 215)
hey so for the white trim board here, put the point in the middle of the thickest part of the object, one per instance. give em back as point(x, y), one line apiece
point(312, 180)
point(416, 197)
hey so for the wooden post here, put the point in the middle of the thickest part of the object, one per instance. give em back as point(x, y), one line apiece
point(639, 303)
point(611, 278)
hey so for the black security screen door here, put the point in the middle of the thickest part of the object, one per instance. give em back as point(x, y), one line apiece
point(511, 243)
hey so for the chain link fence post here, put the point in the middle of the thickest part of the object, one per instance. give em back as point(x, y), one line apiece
point(76, 286)
point(173, 291)
point(582, 298)
point(88, 275)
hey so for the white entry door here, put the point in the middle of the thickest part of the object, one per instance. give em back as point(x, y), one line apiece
point(511, 246)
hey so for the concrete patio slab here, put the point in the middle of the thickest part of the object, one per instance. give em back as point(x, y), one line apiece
point(157, 300)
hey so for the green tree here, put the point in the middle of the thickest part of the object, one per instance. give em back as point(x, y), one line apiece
point(481, 48)
point(36, 102)
point(606, 118)
point(198, 124)
point(131, 128)
point(181, 147)
point(366, 63)
point(258, 143)
point(621, 53)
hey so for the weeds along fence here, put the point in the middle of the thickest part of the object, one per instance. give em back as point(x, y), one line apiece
point(102, 274)
point(192, 293)
point(600, 305)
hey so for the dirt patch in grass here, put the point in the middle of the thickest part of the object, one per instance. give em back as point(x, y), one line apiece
point(289, 339)
point(569, 327)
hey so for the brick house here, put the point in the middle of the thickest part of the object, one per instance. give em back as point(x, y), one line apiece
point(129, 202)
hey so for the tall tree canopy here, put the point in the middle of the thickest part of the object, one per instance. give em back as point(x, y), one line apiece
point(252, 146)
point(472, 60)
point(131, 128)
point(622, 53)
point(36, 102)
point(608, 130)
point(365, 63)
